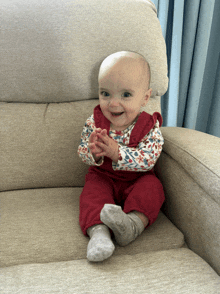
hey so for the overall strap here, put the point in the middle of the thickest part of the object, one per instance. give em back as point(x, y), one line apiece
point(143, 126)
point(100, 120)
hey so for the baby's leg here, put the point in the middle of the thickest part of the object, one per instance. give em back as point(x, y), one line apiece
point(100, 246)
point(126, 227)
point(144, 199)
point(97, 191)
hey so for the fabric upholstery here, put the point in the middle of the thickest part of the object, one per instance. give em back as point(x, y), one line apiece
point(51, 50)
point(198, 154)
point(191, 209)
point(165, 272)
point(42, 225)
point(39, 144)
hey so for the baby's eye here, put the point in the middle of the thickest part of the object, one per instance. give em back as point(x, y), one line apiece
point(126, 94)
point(105, 94)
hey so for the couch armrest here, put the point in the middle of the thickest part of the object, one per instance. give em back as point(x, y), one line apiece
point(189, 169)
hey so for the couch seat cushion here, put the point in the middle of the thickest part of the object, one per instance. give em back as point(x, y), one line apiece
point(41, 225)
point(166, 272)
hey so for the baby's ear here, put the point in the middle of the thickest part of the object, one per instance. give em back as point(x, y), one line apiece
point(147, 96)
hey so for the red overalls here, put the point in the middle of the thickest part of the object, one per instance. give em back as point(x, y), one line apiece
point(140, 191)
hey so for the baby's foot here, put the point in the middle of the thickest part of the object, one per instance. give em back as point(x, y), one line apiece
point(126, 227)
point(100, 246)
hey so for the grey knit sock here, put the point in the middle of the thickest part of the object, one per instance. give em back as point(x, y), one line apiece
point(126, 227)
point(100, 246)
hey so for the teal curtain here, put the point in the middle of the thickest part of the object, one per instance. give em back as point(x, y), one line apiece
point(191, 29)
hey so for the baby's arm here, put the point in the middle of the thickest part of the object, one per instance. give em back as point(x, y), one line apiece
point(144, 156)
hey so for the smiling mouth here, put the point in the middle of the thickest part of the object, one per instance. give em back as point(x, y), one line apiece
point(115, 114)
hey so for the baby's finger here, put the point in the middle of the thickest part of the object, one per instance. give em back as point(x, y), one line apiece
point(98, 130)
point(101, 145)
point(104, 132)
point(105, 139)
point(92, 137)
point(101, 154)
point(91, 146)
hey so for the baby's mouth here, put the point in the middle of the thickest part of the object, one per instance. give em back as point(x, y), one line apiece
point(116, 114)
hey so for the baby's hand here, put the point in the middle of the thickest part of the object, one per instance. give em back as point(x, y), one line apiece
point(92, 144)
point(108, 145)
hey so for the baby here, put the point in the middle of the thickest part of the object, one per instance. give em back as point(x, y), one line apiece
point(121, 144)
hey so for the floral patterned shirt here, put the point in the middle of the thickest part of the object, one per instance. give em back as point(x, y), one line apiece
point(141, 158)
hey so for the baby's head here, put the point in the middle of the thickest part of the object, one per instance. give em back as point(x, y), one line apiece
point(124, 87)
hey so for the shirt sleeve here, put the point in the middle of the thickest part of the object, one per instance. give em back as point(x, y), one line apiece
point(83, 149)
point(144, 156)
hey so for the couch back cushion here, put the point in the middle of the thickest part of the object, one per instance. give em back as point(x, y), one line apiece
point(51, 50)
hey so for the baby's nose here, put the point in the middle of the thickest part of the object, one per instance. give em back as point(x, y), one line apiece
point(114, 102)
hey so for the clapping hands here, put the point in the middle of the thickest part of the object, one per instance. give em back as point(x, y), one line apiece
point(101, 144)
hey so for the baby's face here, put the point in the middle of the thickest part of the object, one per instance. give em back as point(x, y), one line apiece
point(123, 90)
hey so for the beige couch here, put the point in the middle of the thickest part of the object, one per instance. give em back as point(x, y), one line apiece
point(50, 55)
